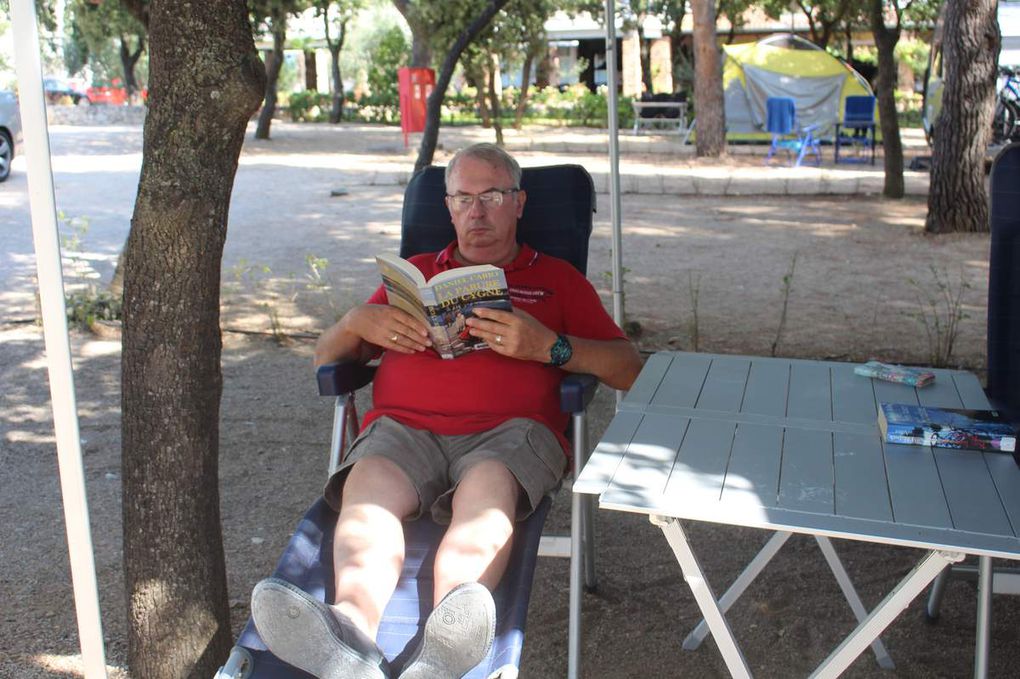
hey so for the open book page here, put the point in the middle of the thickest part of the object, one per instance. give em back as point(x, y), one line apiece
point(402, 287)
point(454, 299)
point(445, 302)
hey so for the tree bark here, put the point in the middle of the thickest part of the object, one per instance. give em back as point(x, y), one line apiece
point(957, 197)
point(491, 75)
point(205, 82)
point(336, 112)
point(522, 99)
point(434, 104)
point(273, 66)
point(311, 71)
point(710, 128)
point(128, 60)
point(421, 51)
point(892, 146)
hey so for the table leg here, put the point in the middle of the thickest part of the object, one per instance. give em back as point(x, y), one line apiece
point(695, 577)
point(880, 618)
point(743, 581)
point(843, 578)
point(984, 615)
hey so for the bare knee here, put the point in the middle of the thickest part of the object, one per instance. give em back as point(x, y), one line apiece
point(477, 544)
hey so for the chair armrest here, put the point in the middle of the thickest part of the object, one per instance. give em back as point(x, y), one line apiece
point(343, 377)
point(576, 392)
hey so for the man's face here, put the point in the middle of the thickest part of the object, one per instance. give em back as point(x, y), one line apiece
point(486, 232)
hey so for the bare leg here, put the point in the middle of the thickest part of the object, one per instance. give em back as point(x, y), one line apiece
point(477, 544)
point(368, 545)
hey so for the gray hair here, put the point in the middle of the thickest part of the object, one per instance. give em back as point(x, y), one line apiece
point(489, 153)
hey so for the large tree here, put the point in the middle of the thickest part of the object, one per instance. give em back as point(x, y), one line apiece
point(336, 15)
point(465, 33)
point(957, 199)
point(887, 35)
point(710, 126)
point(205, 82)
point(99, 23)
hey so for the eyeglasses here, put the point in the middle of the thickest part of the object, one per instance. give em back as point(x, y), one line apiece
point(488, 199)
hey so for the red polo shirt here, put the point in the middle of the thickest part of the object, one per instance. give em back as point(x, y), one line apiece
point(480, 390)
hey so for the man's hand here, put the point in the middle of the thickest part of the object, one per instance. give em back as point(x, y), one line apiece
point(389, 328)
point(369, 327)
point(516, 333)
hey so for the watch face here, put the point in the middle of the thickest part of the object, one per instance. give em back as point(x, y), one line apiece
point(560, 352)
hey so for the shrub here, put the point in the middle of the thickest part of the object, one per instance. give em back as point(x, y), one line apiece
point(309, 106)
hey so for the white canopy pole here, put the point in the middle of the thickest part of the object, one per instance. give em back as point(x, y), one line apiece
point(58, 346)
point(614, 163)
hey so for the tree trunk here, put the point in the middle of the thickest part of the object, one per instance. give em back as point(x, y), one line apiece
point(206, 81)
point(128, 60)
point(708, 91)
point(336, 112)
point(434, 104)
point(492, 74)
point(892, 146)
point(421, 50)
point(522, 99)
point(645, 52)
point(957, 198)
point(544, 68)
point(311, 71)
point(273, 66)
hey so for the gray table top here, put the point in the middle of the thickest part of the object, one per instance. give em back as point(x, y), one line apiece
point(794, 445)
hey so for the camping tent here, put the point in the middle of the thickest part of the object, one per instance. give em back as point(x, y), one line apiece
point(785, 66)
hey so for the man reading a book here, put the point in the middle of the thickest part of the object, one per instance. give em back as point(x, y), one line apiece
point(475, 441)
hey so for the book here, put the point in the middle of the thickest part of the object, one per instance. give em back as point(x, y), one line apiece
point(446, 301)
point(946, 427)
point(915, 377)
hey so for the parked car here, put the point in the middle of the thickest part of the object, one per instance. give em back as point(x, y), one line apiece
point(10, 131)
point(60, 91)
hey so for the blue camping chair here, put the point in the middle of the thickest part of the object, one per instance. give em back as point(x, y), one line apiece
point(557, 220)
point(857, 129)
point(1003, 337)
point(781, 122)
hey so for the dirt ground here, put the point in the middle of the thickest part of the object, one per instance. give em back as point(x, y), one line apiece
point(859, 264)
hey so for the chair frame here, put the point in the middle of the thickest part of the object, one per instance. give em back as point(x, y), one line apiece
point(805, 137)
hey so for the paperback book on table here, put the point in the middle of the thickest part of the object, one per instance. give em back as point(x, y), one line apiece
point(915, 377)
point(946, 427)
point(445, 301)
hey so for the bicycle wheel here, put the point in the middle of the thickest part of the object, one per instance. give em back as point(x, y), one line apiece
point(1004, 123)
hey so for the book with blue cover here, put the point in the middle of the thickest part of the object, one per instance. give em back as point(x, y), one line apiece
point(946, 427)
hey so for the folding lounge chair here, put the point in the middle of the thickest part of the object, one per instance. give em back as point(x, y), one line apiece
point(781, 122)
point(1003, 338)
point(557, 220)
point(857, 129)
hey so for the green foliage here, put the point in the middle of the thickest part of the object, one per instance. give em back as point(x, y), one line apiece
point(913, 53)
point(390, 51)
point(85, 303)
point(309, 106)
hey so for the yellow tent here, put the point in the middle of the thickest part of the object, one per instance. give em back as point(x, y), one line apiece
point(785, 66)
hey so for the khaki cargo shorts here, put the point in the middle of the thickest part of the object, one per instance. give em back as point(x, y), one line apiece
point(436, 463)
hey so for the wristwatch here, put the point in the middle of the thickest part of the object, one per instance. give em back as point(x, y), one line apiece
point(561, 351)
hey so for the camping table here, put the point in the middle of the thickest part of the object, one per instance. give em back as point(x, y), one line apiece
point(793, 446)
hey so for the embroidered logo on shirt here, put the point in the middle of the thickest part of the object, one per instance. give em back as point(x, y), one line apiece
point(527, 294)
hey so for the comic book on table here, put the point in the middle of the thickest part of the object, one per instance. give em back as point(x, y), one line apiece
point(446, 301)
point(946, 427)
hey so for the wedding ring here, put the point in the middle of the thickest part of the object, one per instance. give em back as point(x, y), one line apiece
point(394, 338)
point(499, 339)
